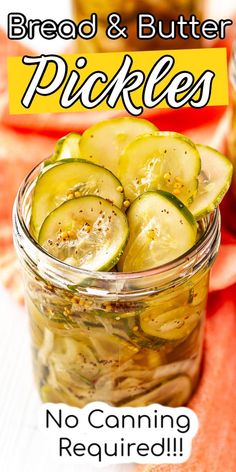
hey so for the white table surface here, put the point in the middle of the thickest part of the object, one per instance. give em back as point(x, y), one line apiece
point(21, 449)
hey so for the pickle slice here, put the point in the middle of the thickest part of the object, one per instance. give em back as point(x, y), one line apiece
point(172, 325)
point(71, 179)
point(214, 181)
point(51, 393)
point(66, 148)
point(165, 161)
point(111, 349)
point(174, 392)
point(86, 232)
point(74, 360)
point(161, 229)
point(103, 143)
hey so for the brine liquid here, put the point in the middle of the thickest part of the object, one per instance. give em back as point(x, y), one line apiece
point(124, 353)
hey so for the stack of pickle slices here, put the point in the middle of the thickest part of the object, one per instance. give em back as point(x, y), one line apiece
point(125, 195)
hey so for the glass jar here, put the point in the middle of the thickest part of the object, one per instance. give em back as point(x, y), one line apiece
point(122, 338)
point(160, 9)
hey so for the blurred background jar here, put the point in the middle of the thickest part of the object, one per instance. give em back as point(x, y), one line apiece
point(232, 134)
point(230, 204)
point(161, 9)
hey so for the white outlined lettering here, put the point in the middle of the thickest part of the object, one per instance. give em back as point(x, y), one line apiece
point(120, 87)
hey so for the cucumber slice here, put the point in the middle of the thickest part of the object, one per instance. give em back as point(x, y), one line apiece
point(87, 232)
point(174, 392)
point(161, 229)
point(74, 357)
point(103, 143)
point(71, 179)
point(51, 395)
point(214, 181)
point(165, 161)
point(173, 325)
point(66, 148)
point(110, 349)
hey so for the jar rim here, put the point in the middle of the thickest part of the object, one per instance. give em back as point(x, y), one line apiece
point(36, 255)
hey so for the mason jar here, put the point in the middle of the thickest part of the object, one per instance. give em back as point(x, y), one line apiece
point(128, 339)
point(128, 10)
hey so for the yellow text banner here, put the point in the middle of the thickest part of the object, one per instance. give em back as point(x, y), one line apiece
point(104, 81)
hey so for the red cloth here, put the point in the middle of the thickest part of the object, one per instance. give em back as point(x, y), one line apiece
point(214, 401)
